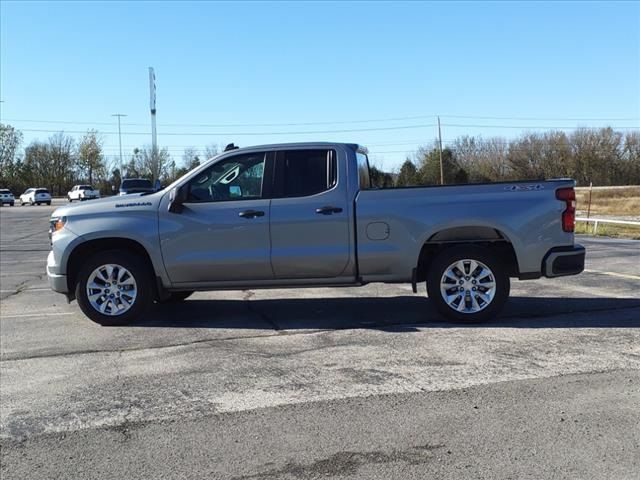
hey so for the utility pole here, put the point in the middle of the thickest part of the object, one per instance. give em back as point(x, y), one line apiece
point(154, 139)
point(440, 143)
point(120, 115)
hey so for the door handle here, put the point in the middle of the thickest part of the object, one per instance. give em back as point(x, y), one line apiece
point(328, 210)
point(251, 214)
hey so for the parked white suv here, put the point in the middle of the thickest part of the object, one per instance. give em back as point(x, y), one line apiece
point(35, 196)
point(82, 192)
point(6, 197)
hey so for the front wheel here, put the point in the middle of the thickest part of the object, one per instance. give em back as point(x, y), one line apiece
point(70, 199)
point(468, 283)
point(49, 204)
point(114, 288)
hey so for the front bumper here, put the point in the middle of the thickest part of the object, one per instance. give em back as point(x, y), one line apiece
point(562, 261)
point(57, 282)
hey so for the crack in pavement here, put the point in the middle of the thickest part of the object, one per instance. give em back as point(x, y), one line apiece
point(19, 288)
point(247, 295)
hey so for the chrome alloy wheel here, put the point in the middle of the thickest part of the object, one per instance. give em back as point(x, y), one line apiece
point(468, 286)
point(111, 289)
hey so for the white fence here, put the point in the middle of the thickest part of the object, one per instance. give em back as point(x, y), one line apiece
point(596, 221)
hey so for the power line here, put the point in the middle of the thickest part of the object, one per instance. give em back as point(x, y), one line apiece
point(339, 122)
point(560, 119)
point(233, 134)
point(216, 125)
point(310, 132)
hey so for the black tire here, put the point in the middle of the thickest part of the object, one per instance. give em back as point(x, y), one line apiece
point(38, 204)
point(49, 204)
point(176, 297)
point(139, 270)
point(11, 204)
point(472, 252)
point(70, 199)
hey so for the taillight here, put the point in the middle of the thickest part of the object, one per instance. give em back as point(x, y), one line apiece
point(568, 195)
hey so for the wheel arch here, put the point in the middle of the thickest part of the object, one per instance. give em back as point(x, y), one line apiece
point(90, 247)
point(492, 238)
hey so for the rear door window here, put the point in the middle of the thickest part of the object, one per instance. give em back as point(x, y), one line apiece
point(301, 173)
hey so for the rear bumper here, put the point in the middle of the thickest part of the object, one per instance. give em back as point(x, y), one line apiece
point(562, 261)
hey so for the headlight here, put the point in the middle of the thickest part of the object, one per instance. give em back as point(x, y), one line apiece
point(56, 224)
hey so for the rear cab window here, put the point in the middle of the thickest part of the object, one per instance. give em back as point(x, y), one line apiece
point(363, 170)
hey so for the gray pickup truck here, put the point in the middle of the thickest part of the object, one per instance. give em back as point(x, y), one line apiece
point(303, 215)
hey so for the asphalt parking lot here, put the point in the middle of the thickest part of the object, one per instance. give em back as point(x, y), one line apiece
point(362, 382)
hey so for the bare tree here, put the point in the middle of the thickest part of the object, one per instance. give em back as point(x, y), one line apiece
point(10, 141)
point(211, 150)
point(190, 158)
point(90, 154)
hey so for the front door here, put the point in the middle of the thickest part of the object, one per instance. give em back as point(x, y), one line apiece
point(222, 234)
point(310, 224)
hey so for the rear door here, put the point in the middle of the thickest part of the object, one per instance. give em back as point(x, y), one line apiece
point(310, 224)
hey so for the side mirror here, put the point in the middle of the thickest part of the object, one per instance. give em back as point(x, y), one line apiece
point(177, 198)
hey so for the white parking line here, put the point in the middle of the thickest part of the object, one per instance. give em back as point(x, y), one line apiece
point(26, 290)
point(17, 274)
point(24, 261)
point(614, 274)
point(42, 314)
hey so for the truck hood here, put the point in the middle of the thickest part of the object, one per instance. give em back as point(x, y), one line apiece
point(108, 205)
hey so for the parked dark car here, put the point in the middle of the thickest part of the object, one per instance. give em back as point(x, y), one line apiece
point(136, 185)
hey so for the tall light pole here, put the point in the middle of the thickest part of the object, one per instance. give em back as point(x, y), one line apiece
point(154, 139)
point(440, 144)
point(120, 115)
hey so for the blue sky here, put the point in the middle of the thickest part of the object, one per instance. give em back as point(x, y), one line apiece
point(322, 63)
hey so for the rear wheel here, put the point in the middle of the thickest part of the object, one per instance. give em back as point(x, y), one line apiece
point(49, 203)
point(468, 283)
point(70, 199)
point(114, 287)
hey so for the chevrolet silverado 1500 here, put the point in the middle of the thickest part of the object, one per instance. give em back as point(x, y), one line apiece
point(300, 215)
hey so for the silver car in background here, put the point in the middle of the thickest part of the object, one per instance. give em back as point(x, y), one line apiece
point(6, 197)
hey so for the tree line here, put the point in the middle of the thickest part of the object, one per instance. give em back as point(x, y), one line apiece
point(60, 162)
point(599, 155)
